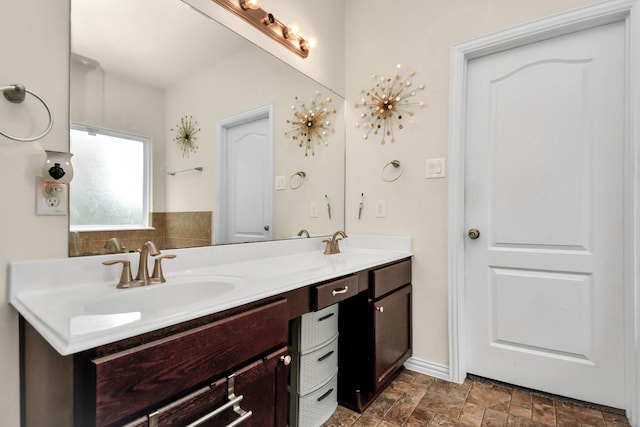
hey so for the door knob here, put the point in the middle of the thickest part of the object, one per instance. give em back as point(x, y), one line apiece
point(266, 228)
point(286, 360)
point(474, 233)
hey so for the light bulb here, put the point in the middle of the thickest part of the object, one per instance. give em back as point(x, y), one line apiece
point(251, 4)
point(294, 28)
point(312, 42)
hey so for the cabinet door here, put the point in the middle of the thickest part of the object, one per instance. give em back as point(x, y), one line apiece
point(261, 386)
point(392, 333)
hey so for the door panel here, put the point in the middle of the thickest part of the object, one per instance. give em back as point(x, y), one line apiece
point(245, 212)
point(544, 181)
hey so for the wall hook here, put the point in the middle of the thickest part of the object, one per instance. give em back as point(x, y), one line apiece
point(16, 94)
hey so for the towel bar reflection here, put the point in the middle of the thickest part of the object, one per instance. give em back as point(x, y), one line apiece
point(199, 169)
point(16, 94)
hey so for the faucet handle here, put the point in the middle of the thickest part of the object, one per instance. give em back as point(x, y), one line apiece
point(158, 276)
point(126, 279)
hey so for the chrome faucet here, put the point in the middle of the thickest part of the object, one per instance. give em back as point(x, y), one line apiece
point(333, 246)
point(149, 248)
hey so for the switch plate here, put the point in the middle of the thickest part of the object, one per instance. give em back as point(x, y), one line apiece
point(381, 208)
point(51, 199)
point(280, 182)
point(313, 210)
point(435, 168)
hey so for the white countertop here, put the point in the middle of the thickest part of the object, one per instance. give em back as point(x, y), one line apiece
point(74, 303)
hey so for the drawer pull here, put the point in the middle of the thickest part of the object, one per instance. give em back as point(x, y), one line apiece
point(328, 316)
point(321, 358)
point(234, 401)
point(380, 309)
point(340, 291)
point(324, 396)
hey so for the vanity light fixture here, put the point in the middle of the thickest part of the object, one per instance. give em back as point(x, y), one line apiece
point(250, 11)
point(51, 188)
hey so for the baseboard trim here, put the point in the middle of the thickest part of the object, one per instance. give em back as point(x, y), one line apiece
point(425, 367)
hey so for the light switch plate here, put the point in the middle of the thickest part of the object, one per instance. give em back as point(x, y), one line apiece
point(435, 168)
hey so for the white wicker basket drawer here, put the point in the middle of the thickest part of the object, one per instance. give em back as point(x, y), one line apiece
point(318, 406)
point(318, 366)
point(318, 328)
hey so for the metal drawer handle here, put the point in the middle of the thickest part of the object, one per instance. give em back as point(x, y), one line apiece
point(326, 317)
point(234, 401)
point(380, 309)
point(340, 291)
point(324, 396)
point(321, 358)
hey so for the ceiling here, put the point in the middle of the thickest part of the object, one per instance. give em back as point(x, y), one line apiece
point(155, 41)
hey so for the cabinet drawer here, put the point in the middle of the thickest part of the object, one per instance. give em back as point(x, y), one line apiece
point(318, 366)
point(317, 407)
point(317, 328)
point(387, 279)
point(140, 378)
point(253, 382)
point(336, 291)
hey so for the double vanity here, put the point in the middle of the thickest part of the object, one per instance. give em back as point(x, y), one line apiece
point(216, 343)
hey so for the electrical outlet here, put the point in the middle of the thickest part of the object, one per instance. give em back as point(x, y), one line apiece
point(51, 199)
point(381, 208)
point(280, 182)
point(313, 210)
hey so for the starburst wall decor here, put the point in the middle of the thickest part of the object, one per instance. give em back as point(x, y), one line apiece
point(310, 124)
point(388, 104)
point(186, 135)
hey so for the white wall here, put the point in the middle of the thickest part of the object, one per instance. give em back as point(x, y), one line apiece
point(35, 44)
point(34, 40)
point(419, 36)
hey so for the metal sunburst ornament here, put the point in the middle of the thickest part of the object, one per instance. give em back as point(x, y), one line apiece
point(388, 103)
point(185, 135)
point(310, 124)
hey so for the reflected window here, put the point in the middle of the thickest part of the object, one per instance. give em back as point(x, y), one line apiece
point(110, 187)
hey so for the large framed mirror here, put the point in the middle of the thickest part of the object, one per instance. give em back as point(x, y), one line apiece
point(141, 69)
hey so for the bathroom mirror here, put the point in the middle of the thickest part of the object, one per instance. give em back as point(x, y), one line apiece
point(140, 66)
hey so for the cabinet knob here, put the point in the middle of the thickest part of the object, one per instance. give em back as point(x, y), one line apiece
point(380, 309)
point(286, 360)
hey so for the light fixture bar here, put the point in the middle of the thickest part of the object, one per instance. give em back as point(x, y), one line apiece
point(269, 25)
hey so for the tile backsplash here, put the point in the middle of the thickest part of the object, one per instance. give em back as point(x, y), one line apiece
point(170, 230)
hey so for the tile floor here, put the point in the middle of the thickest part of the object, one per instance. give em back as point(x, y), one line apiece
point(416, 400)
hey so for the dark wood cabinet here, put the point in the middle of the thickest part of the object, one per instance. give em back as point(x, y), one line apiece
point(255, 394)
point(183, 373)
point(375, 334)
point(139, 382)
point(391, 334)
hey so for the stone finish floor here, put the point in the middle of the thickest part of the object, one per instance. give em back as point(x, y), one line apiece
point(416, 400)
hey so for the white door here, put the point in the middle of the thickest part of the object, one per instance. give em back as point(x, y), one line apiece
point(544, 187)
point(245, 201)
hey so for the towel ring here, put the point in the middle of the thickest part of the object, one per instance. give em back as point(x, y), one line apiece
point(293, 185)
point(396, 164)
point(16, 94)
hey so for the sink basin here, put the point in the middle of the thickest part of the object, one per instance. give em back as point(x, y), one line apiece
point(158, 298)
